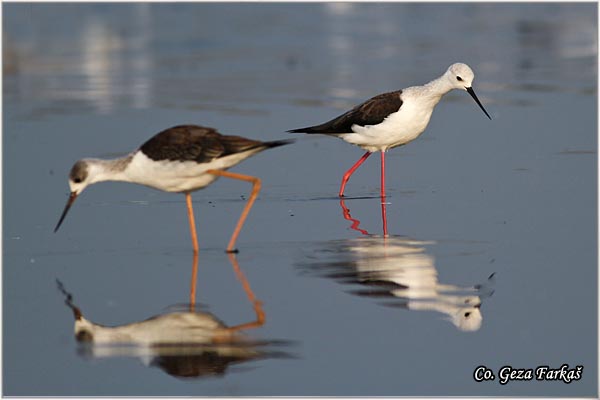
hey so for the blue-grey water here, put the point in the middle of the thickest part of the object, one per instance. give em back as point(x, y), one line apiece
point(491, 258)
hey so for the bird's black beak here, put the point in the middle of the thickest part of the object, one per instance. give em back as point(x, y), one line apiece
point(472, 93)
point(70, 202)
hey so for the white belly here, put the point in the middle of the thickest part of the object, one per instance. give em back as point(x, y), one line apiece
point(177, 176)
point(397, 129)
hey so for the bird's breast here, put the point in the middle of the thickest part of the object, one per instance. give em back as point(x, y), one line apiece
point(169, 175)
point(178, 176)
point(397, 129)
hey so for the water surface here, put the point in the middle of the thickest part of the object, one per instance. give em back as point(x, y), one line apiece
point(491, 257)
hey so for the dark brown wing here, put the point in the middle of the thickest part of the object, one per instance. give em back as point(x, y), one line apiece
point(198, 143)
point(371, 112)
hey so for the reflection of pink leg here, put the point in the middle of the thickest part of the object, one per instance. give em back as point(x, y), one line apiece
point(230, 334)
point(384, 217)
point(355, 222)
point(257, 304)
point(351, 171)
point(382, 175)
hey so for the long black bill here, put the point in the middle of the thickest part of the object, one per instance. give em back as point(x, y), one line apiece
point(72, 198)
point(472, 93)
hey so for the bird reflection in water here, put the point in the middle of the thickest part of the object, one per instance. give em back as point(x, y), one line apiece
point(356, 223)
point(399, 271)
point(184, 342)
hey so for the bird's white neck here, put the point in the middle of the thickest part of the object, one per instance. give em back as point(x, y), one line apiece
point(108, 170)
point(431, 93)
point(439, 86)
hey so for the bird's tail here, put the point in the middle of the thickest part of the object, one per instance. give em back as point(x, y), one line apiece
point(276, 143)
point(309, 129)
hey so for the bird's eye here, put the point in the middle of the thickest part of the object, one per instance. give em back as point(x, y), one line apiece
point(458, 78)
point(77, 180)
point(467, 314)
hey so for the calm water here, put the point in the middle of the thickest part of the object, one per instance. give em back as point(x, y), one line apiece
point(492, 254)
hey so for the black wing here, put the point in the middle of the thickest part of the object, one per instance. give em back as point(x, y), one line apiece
point(371, 112)
point(198, 143)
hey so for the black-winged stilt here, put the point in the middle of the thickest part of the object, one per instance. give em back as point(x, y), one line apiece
point(180, 159)
point(395, 118)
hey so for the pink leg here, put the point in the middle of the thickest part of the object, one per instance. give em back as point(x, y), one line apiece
point(383, 208)
point(351, 171)
point(193, 281)
point(383, 176)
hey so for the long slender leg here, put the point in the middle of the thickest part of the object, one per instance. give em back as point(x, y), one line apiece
point(351, 171)
point(255, 189)
point(382, 176)
point(383, 203)
point(194, 279)
point(188, 200)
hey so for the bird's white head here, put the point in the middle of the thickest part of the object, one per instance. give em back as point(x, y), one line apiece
point(467, 319)
point(79, 177)
point(82, 174)
point(461, 77)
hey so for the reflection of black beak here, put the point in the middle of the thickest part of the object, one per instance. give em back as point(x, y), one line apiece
point(472, 93)
point(71, 200)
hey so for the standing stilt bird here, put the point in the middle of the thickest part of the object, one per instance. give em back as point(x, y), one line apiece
point(395, 118)
point(180, 159)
